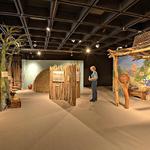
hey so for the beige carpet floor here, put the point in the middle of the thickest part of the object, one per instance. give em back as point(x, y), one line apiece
point(42, 124)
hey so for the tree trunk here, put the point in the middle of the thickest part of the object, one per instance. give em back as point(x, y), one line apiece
point(3, 80)
point(116, 86)
point(126, 95)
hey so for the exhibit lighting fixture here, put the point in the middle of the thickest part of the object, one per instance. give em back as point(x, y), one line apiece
point(38, 53)
point(73, 41)
point(124, 29)
point(97, 45)
point(139, 31)
point(118, 48)
point(80, 41)
point(34, 45)
point(48, 29)
point(88, 50)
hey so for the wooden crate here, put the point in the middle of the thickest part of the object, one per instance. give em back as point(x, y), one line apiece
point(140, 94)
point(15, 103)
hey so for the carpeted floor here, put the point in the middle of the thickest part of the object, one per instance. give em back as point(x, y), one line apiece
point(42, 124)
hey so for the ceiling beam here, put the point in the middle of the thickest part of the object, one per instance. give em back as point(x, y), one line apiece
point(53, 8)
point(79, 21)
point(127, 6)
point(23, 20)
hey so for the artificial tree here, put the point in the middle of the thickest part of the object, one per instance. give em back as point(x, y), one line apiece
point(10, 45)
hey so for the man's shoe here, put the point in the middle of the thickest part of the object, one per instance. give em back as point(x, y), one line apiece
point(91, 100)
point(95, 100)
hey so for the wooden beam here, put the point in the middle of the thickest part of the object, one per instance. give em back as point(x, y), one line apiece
point(128, 51)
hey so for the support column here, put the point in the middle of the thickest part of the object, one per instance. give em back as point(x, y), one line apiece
point(115, 80)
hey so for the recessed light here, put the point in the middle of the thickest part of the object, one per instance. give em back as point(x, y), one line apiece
point(48, 29)
point(39, 53)
point(73, 41)
point(88, 50)
point(97, 45)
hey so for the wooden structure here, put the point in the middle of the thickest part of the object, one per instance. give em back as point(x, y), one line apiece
point(140, 50)
point(65, 83)
point(15, 102)
point(16, 73)
point(41, 83)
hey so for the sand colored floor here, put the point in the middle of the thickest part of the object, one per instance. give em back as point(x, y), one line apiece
point(42, 124)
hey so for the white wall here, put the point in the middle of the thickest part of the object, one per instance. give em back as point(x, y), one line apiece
point(31, 68)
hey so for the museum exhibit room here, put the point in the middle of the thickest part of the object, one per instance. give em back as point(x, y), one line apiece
point(74, 74)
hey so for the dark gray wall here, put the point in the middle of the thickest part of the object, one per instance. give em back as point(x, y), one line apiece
point(104, 69)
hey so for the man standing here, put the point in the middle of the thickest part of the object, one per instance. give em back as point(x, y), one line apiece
point(93, 78)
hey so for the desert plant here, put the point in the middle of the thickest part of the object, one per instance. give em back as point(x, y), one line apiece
point(10, 45)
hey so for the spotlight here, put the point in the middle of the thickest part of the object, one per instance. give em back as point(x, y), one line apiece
point(126, 46)
point(139, 31)
point(73, 41)
point(124, 29)
point(118, 48)
point(97, 45)
point(71, 54)
point(38, 53)
point(88, 50)
point(48, 29)
point(34, 45)
point(80, 41)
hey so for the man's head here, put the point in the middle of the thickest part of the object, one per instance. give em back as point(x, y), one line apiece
point(93, 68)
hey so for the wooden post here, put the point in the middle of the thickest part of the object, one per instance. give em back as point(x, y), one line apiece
point(116, 86)
point(126, 95)
point(124, 80)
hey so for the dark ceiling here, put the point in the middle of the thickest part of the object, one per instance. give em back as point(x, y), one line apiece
point(111, 23)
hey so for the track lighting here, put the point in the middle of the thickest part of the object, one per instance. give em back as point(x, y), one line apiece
point(48, 29)
point(97, 45)
point(80, 41)
point(38, 53)
point(73, 41)
point(88, 50)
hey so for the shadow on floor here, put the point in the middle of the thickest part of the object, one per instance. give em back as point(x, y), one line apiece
point(142, 109)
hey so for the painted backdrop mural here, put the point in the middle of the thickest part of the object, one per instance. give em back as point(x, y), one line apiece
point(138, 71)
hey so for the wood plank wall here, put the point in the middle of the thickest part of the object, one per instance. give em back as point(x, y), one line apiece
point(69, 88)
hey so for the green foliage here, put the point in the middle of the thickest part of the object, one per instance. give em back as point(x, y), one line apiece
point(143, 72)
